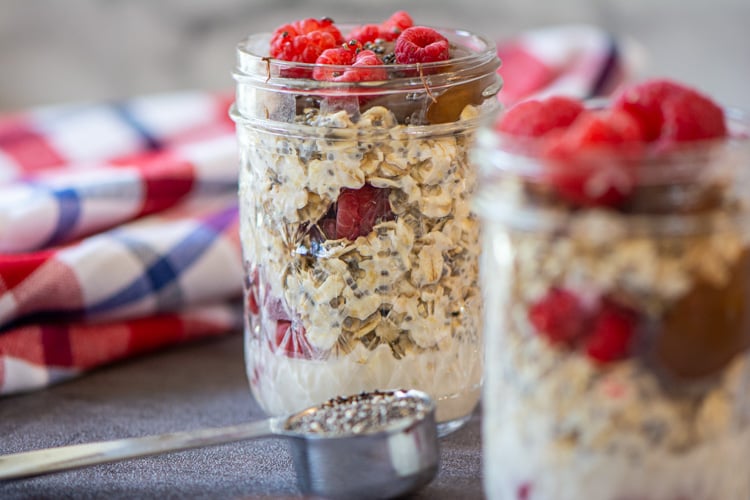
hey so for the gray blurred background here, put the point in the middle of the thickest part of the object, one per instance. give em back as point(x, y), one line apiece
point(67, 50)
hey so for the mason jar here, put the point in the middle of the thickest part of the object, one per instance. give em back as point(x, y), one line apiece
point(360, 246)
point(617, 337)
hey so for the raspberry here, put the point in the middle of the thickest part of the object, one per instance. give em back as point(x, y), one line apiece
point(358, 210)
point(252, 291)
point(559, 317)
point(586, 168)
point(612, 333)
point(303, 41)
point(692, 117)
point(291, 340)
point(669, 111)
point(395, 25)
point(535, 118)
point(357, 61)
point(387, 31)
point(420, 44)
point(366, 33)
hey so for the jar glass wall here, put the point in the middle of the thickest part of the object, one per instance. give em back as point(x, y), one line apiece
point(617, 338)
point(360, 246)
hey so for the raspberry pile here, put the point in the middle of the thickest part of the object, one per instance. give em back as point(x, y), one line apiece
point(357, 55)
point(578, 144)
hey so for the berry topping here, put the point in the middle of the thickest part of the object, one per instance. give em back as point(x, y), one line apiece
point(584, 169)
point(303, 41)
point(559, 316)
point(396, 24)
point(388, 31)
point(668, 111)
point(535, 118)
point(358, 210)
point(692, 117)
point(357, 62)
point(420, 44)
point(612, 333)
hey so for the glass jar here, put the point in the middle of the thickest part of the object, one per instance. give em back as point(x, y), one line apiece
point(617, 336)
point(360, 247)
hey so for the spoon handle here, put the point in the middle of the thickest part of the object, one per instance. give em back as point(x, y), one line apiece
point(33, 463)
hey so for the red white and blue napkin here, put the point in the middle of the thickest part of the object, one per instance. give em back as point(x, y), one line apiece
point(118, 220)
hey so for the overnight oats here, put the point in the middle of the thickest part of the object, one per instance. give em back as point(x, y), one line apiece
point(360, 245)
point(618, 303)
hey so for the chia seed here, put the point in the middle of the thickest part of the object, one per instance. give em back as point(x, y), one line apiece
point(365, 413)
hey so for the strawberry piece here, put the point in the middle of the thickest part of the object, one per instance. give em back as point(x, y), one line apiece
point(559, 317)
point(534, 118)
point(290, 339)
point(304, 40)
point(612, 334)
point(669, 111)
point(420, 44)
point(388, 31)
point(357, 62)
point(590, 159)
point(358, 210)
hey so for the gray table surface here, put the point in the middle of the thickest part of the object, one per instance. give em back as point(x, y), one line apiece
point(187, 387)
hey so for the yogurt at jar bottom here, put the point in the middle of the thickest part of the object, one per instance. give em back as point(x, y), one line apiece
point(617, 332)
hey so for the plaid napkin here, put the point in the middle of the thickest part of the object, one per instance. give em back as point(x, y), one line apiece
point(118, 221)
point(118, 233)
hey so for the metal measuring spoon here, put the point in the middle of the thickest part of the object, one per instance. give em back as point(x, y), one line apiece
point(374, 444)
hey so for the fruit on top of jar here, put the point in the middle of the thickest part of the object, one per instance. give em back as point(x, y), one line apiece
point(304, 40)
point(589, 155)
point(387, 31)
point(374, 52)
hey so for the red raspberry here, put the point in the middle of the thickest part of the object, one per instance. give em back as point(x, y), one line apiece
point(252, 291)
point(395, 25)
point(358, 210)
point(387, 31)
point(535, 118)
point(669, 111)
point(592, 159)
point(612, 334)
point(291, 340)
point(559, 317)
point(692, 117)
point(365, 33)
point(420, 44)
point(303, 41)
point(356, 72)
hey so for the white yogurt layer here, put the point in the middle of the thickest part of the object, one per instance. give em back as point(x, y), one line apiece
point(452, 377)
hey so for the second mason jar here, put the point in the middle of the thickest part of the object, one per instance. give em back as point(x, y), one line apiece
point(617, 334)
point(360, 246)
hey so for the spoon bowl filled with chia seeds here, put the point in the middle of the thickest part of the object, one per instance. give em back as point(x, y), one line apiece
point(380, 444)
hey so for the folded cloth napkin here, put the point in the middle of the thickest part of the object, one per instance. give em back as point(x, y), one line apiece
point(118, 221)
point(118, 233)
point(580, 61)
